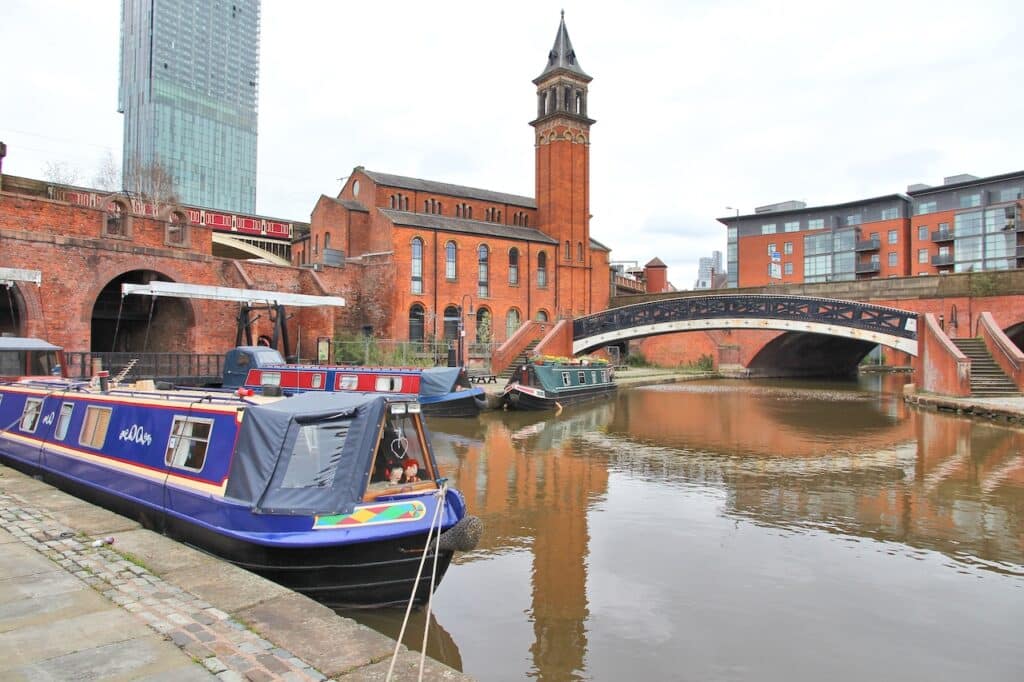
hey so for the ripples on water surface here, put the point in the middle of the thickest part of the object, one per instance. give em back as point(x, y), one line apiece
point(747, 531)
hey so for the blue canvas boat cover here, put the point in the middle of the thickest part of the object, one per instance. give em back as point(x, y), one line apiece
point(438, 380)
point(307, 454)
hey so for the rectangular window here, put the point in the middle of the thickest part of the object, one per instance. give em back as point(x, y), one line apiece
point(922, 255)
point(30, 415)
point(582, 377)
point(348, 382)
point(771, 248)
point(922, 232)
point(970, 200)
point(566, 379)
point(792, 226)
point(1011, 194)
point(316, 454)
point(389, 384)
point(892, 259)
point(789, 268)
point(927, 207)
point(853, 219)
point(186, 447)
point(787, 248)
point(64, 421)
point(890, 213)
point(768, 228)
point(816, 224)
point(894, 236)
point(94, 426)
point(876, 259)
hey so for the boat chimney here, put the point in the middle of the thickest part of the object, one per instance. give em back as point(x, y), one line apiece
point(104, 377)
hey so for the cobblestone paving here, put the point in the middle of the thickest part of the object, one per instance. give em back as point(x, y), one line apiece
point(221, 644)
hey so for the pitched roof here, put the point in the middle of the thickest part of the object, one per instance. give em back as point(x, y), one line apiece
point(594, 244)
point(419, 185)
point(656, 263)
point(348, 203)
point(562, 56)
point(431, 221)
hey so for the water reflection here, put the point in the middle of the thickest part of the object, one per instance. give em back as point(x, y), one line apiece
point(690, 530)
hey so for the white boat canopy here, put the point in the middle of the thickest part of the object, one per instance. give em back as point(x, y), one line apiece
point(201, 291)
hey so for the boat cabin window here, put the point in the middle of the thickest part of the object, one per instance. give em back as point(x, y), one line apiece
point(186, 448)
point(64, 421)
point(30, 415)
point(94, 426)
point(389, 384)
point(348, 382)
point(566, 380)
point(28, 363)
point(583, 377)
point(316, 381)
point(400, 456)
point(316, 454)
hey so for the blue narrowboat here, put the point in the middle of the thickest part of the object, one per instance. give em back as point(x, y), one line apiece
point(546, 383)
point(330, 494)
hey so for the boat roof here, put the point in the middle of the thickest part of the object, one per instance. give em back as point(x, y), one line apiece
point(23, 343)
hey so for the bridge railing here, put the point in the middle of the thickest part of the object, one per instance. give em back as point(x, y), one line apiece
point(202, 367)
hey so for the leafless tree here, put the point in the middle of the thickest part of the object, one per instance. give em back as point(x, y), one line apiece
point(108, 175)
point(153, 183)
point(60, 173)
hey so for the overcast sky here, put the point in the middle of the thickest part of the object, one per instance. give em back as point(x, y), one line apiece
point(699, 105)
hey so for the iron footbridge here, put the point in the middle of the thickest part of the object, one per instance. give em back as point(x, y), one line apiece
point(850, 319)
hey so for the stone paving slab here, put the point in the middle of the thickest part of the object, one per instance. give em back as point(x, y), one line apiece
point(149, 608)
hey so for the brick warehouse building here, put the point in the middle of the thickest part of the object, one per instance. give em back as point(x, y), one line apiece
point(85, 245)
point(966, 224)
point(433, 251)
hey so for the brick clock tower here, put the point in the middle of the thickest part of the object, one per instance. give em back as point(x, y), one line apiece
point(562, 137)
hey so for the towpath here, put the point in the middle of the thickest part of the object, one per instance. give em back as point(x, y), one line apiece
point(146, 607)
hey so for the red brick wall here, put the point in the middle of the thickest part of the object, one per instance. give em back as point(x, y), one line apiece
point(64, 242)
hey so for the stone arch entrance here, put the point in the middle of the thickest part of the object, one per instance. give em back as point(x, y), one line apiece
point(140, 323)
point(12, 307)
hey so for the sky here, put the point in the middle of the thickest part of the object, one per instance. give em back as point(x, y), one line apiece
point(699, 105)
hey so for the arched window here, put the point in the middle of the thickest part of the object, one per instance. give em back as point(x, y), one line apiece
point(482, 275)
point(417, 265)
point(327, 241)
point(176, 233)
point(542, 269)
point(450, 253)
point(579, 251)
point(458, 210)
point(513, 266)
point(426, 205)
point(391, 201)
point(469, 212)
point(497, 219)
point(484, 329)
point(567, 104)
point(416, 322)
point(512, 321)
point(316, 244)
point(405, 203)
point(451, 323)
point(568, 250)
point(542, 316)
point(116, 223)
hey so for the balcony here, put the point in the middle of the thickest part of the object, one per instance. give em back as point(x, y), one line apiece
point(940, 236)
point(868, 245)
point(942, 260)
point(871, 267)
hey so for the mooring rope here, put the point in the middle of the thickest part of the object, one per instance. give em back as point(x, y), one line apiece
point(435, 521)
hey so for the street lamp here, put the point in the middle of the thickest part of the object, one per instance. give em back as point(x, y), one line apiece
point(462, 326)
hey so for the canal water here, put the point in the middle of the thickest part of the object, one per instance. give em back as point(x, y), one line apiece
point(734, 531)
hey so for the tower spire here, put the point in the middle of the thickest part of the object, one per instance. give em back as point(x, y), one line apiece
point(562, 56)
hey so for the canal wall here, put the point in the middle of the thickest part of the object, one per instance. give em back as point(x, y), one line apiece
point(232, 623)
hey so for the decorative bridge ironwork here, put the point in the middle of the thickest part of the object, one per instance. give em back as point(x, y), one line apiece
point(852, 319)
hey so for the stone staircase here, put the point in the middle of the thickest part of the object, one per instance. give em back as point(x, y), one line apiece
point(987, 378)
point(520, 360)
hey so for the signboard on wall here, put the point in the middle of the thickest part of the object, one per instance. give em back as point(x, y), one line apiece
point(775, 270)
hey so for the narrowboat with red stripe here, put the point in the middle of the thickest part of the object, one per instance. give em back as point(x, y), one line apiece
point(331, 494)
point(441, 391)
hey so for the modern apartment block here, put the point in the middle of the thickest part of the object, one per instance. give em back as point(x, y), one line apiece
point(707, 268)
point(188, 92)
point(967, 223)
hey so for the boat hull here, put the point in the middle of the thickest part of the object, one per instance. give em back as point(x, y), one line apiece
point(462, 404)
point(519, 398)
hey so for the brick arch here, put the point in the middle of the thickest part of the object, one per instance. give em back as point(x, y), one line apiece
point(29, 308)
point(110, 271)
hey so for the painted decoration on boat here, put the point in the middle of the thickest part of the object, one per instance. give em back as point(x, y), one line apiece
point(391, 512)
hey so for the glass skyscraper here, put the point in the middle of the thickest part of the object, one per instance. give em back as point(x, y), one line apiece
point(188, 92)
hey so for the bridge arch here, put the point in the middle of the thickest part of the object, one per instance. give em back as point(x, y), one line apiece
point(138, 323)
point(863, 323)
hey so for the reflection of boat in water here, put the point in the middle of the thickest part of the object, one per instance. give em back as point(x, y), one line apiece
point(283, 487)
point(546, 384)
point(440, 644)
point(547, 432)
